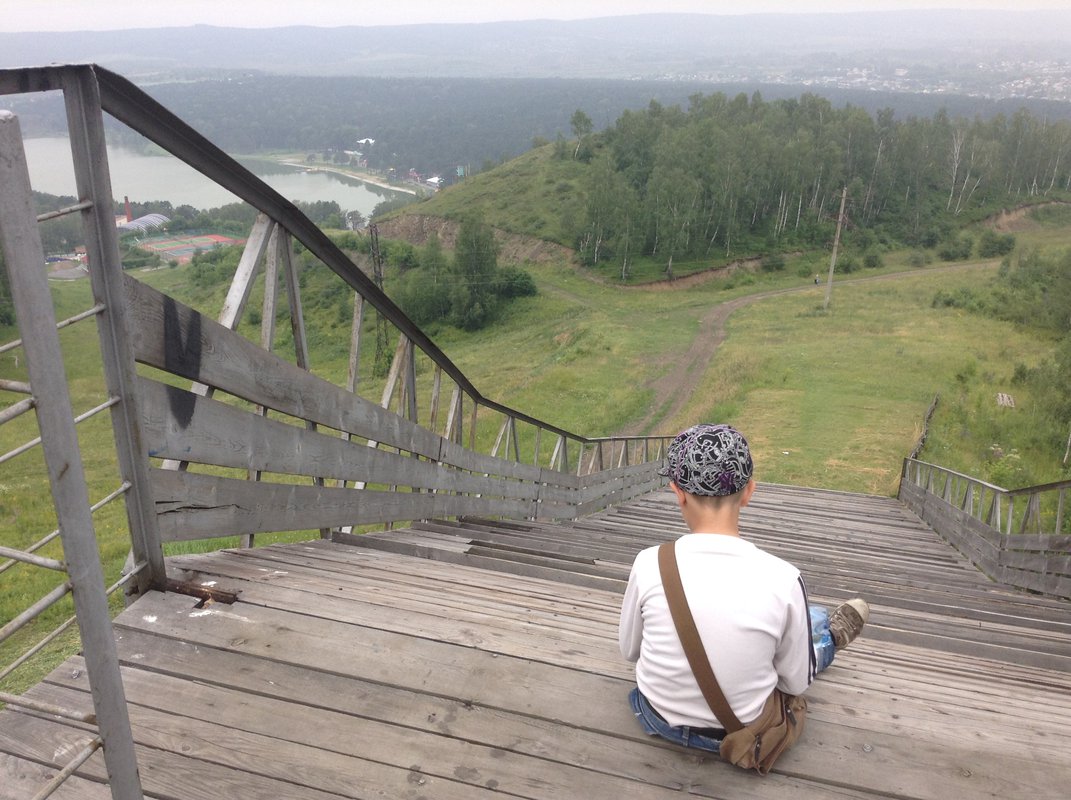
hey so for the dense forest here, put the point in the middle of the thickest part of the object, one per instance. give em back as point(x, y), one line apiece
point(434, 125)
point(741, 175)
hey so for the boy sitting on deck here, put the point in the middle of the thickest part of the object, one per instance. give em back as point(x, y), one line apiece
point(750, 607)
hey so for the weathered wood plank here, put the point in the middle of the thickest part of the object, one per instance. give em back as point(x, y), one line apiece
point(194, 506)
point(165, 772)
point(628, 755)
point(211, 432)
point(20, 779)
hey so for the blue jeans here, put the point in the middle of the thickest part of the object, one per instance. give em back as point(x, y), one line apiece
point(700, 738)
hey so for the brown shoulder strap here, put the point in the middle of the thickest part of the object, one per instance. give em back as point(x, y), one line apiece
point(689, 636)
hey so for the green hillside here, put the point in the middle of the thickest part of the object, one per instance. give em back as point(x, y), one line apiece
point(536, 194)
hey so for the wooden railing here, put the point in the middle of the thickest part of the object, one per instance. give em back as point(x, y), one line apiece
point(1019, 537)
point(217, 435)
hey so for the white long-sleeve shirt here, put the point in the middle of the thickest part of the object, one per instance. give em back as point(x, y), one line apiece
point(751, 611)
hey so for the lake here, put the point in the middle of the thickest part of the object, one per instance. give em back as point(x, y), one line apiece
point(145, 178)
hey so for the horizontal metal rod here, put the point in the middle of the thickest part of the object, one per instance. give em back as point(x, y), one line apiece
point(37, 648)
point(47, 708)
point(33, 548)
point(16, 410)
point(34, 611)
point(18, 451)
point(14, 386)
point(59, 325)
point(83, 756)
point(30, 558)
point(124, 487)
point(62, 212)
point(123, 581)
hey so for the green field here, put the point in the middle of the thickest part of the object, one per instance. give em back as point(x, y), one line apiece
point(829, 398)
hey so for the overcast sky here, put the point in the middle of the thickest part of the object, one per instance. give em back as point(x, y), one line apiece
point(73, 15)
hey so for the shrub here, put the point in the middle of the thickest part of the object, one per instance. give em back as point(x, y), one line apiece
point(956, 248)
point(993, 244)
point(515, 282)
point(872, 260)
point(775, 262)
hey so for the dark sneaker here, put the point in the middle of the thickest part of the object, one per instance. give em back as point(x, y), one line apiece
point(848, 620)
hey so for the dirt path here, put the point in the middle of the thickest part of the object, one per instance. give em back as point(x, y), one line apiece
point(675, 387)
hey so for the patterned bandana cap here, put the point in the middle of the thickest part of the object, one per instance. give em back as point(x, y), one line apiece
point(712, 460)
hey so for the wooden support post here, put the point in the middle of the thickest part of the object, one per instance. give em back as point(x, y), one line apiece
point(410, 383)
point(436, 388)
point(472, 425)
point(269, 307)
point(242, 283)
point(516, 444)
point(86, 124)
point(297, 325)
point(24, 256)
point(503, 433)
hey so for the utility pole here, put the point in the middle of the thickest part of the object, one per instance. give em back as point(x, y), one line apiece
point(836, 244)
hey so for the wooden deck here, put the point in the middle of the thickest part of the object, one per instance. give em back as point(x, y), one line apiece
point(480, 661)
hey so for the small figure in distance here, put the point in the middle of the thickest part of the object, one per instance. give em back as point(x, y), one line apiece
point(750, 607)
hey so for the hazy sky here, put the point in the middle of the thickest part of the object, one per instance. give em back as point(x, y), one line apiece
point(59, 15)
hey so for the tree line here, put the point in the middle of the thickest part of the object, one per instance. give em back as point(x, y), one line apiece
point(732, 175)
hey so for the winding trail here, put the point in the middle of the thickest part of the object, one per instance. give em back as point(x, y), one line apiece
point(677, 384)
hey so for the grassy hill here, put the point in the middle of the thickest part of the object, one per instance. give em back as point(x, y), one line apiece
point(536, 194)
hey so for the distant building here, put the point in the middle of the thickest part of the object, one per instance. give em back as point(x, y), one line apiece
point(146, 223)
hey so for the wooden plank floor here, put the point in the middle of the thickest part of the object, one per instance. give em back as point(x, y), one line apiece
point(479, 660)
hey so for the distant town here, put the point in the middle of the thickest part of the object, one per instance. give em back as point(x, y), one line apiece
point(1001, 79)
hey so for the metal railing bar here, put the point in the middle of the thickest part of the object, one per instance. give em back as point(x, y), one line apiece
point(18, 451)
point(30, 558)
point(18, 387)
point(33, 548)
point(49, 788)
point(91, 312)
point(47, 708)
point(123, 581)
point(123, 489)
point(55, 634)
point(35, 610)
point(37, 648)
point(62, 212)
point(16, 410)
point(30, 653)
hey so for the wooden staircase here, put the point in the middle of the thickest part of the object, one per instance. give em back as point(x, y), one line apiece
point(479, 660)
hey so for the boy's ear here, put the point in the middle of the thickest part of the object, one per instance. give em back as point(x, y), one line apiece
point(747, 492)
point(679, 492)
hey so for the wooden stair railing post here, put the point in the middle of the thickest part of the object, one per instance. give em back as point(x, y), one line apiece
point(436, 388)
point(452, 431)
point(472, 425)
point(503, 433)
point(21, 241)
point(93, 180)
point(267, 333)
point(297, 326)
point(516, 444)
point(538, 441)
